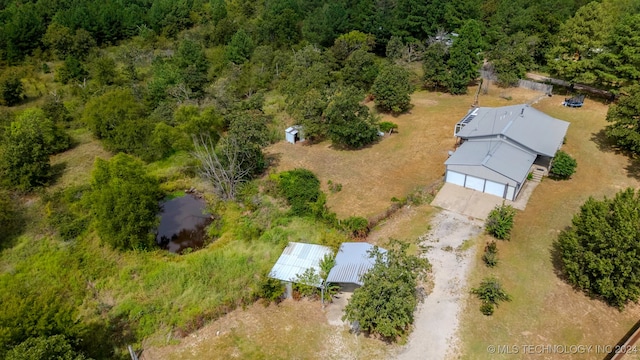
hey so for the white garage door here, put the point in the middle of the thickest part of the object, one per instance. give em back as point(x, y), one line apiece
point(455, 178)
point(474, 183)
point(494, 188)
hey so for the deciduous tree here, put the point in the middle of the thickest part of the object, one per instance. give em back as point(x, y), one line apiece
point(392, 88)
point(124, 202)
point(386, 302)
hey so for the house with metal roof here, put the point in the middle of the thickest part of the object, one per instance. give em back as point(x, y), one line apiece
point(295, 259)
point(501, 146)
point(353, 260)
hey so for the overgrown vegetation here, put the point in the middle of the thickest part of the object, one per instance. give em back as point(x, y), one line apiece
point(491, 293)
point(563, 166)
point(598, 251)
point(500, 221)
point(385, 304)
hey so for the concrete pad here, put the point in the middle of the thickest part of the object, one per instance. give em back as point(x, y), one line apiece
point(477, 204)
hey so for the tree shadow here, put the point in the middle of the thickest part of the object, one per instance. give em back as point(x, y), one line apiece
point(14, 228)
point(108, 339)
point(57, 171)
point(606, 144)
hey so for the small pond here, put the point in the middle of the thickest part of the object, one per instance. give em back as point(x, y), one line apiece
point(182, 224)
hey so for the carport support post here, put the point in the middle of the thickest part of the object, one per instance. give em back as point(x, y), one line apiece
point(322, 293)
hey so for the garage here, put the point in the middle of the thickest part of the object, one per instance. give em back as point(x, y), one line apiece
point(494, 188)
point(493, 167)
point(455, 178)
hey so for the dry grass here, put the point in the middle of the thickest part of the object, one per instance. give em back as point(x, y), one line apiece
point(398, 163)
point(290, 330)
point(545, 310)
point(76, 164)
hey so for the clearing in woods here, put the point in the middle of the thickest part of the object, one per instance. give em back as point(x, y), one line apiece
point(399, 163)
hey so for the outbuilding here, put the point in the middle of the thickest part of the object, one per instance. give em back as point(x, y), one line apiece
point(353, 260)
point(295, 259)
point(293, 134)
point(501, 146)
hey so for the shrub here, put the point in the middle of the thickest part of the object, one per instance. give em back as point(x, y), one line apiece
point(563, 166)
point(270, 289)
point(599, 250)
point(11, 90)
point(500, 221)
point(490, 255)
point(301, 188)
point(387, 126)
point(305, 284)
point(356, 226)
point(490, 292)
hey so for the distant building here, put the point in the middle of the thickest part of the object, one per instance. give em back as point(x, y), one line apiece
point(501, 146)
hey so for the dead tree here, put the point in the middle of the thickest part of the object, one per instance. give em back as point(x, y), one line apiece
point(227, 169)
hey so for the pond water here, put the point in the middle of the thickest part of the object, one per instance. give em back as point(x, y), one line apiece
point(182, 224)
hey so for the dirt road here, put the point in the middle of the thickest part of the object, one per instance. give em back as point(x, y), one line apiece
point(437, 318)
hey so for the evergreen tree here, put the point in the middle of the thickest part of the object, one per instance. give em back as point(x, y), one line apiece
point(599, 250)
point(436, 73)
point(624, 116)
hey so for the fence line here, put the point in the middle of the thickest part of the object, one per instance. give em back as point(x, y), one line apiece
point(527, 84)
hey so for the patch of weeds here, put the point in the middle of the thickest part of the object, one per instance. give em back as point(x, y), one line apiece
point(448, 248)
point(466, 245)
point(334, 187)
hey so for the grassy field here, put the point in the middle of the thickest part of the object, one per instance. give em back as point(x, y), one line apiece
point(399, 163)
point(545, 310)
point(290, 330)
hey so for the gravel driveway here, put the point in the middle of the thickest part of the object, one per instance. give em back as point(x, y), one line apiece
point(438, 317)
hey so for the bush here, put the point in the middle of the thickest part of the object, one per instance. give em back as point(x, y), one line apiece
point(45, 348)
point(563, 166)
point(66, 213)
point(388, 126)
point(500, 221)
point(356, 226)
point(490, 255)
point(490, 292)
point(301, 188)
point(599, 250)
point(11, 90)
point(270, 289)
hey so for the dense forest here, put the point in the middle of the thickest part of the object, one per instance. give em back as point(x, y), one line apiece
point(180, 90)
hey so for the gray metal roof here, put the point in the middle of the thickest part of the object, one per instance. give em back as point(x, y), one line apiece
point(352, 262)
point(296, 259)
point(521, 124)
point(495, 160)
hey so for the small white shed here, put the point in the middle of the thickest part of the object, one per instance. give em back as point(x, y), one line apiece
point(294, 134)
